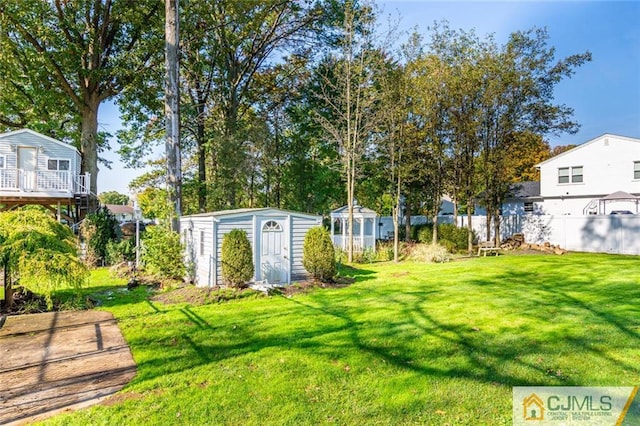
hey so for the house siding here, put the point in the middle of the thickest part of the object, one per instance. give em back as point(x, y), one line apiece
point(52, 149)
point(607, 164)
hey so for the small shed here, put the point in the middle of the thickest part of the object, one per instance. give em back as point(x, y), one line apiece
point(276, 237)
point(364, 228)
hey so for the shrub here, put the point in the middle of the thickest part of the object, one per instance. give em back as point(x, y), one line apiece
point(425, 234)
point(450, 232)
point(98, 229)
point(121, 251)
point(38, 253)
point(384, 251)
point(318, 254)
point(430, 253)
point(450, 246)
point(162, 253)
point(237, 258)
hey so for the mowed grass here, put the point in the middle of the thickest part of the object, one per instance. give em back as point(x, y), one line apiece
point(405, 344)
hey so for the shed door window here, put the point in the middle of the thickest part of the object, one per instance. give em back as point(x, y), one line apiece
point(272, 226)
point(55, 164)
point(201, 243)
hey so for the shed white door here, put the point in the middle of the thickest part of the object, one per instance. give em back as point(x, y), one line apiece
point(27, 166)
point(274, 254)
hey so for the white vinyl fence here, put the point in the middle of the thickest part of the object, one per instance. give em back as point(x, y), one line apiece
point(594, 233)
point(602, 234)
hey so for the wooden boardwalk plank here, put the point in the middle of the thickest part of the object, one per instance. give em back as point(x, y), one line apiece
point(60, 361)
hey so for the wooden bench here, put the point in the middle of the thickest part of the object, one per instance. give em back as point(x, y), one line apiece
point(488, 247)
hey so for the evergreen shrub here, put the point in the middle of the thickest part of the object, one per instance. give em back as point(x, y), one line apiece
point(318, 254)
point(237, 258)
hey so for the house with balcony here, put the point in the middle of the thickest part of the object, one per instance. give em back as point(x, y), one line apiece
point(598, 177)
point(38, 170)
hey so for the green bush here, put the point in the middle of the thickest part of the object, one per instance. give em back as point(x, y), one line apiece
point(446, 232)
point(450, 246)
point(318, 254)
point(97, 229)
point(384, 251)
point(425, 234)
point(237, 258)
point(162, 253)
point(121, 251)
point(450, 232)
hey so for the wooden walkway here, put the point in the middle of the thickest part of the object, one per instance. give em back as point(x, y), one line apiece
point(60, 361)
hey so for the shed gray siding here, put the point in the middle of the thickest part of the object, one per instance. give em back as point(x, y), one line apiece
point(203, 235)
point(223, 227)
point(299, 228)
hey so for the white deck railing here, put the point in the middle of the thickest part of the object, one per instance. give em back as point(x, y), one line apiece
point(47, 181)
point(367, 242)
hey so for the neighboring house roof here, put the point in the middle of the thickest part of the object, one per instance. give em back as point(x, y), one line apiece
point(245, 211)
point(39, 135)
point(528, 189)
point(119, 209)
point(583, 145)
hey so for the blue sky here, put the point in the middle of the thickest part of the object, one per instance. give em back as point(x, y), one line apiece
point(605, 93)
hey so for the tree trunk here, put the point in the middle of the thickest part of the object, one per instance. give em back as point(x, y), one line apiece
point(172, 113)
point(470, 233)
point(8, 290)
point(434, 233)
point(496, 224)
point(407, 222)
point(202, 165)
point(89, 145)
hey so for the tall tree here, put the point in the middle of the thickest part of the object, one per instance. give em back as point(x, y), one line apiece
point(82, 52)
point(172, 110)
point(350, 96)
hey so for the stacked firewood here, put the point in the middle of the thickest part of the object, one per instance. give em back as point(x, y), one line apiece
point(517, 242)
point(514, 242)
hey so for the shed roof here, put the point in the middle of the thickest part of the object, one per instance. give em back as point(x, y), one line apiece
point(242, 212)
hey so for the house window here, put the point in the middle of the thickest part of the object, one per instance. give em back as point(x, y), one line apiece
point(2, 166)
point(528, 207)
point(576, 174)
point(55, 164)
point(636, 169)
point(570, 175)
point(201, 243)
point(563, 175)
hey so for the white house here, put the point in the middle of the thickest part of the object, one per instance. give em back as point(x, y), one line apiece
point(276, 237)
point(122, 213)
point(598, 177)
point(37, 169)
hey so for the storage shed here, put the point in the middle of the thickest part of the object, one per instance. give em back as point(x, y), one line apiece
point(276, 237)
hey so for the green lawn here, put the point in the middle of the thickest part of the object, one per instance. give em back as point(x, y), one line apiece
point(406, 344)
